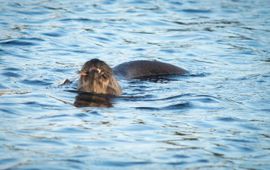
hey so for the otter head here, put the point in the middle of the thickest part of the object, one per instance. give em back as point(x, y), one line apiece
point(97, 77)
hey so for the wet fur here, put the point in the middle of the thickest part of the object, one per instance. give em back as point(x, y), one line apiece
point(100, 83)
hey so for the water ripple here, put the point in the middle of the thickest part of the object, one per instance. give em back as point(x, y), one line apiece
point(177, 106)
point(36, 82)
point(17, 43)
point(124, 163)
point(197, 10)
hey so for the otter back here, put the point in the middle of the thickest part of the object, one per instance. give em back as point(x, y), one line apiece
point(144, 68)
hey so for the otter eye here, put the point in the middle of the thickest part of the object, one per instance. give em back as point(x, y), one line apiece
point(104, 76)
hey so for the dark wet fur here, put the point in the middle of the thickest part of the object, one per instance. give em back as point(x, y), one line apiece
point(142, 69)
point(102, 82)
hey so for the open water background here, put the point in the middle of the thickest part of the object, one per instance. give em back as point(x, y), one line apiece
point(217, 117)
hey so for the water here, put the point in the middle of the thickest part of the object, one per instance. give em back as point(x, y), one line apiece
point(217, 117)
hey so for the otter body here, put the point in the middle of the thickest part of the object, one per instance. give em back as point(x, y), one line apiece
point(97, 77)
point(145, 68)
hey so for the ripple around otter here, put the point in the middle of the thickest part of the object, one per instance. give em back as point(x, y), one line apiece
point(214, 117)
point(178, 106)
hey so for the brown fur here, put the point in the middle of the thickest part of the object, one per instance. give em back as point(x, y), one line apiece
point(97, 77)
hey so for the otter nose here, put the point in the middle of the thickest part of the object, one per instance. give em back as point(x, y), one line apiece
point(94, 69)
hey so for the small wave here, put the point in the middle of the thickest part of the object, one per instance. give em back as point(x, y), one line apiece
point(124, 163)
point(227, 119)
point(136, 98)
point(8, 111)
point(149, 108)
point(11, 74)
point(8, 162)
point(24, 41)
point(199, 74)
point(32, 39)
point(80, 20)
point(206, 98)
point(214, 22)
point(11, 69)
point(178, 106)
point(10, 92)
point(103, 39)
point(170, 97)
point(37, 104)
point(183, 105)
point(36, 82)
point(54, 116)
point(53, 34)
point(197, 10)
point(17, 43)
point(54, 8)
point(38, 12)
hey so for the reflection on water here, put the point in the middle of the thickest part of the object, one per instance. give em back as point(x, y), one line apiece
point(92, 100)
point(216, 117)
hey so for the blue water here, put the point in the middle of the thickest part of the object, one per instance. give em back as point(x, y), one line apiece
point(217, 117)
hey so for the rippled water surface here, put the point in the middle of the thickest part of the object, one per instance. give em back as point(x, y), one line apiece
point(216, 117)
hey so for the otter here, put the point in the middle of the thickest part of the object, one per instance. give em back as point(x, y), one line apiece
point(99, 78)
